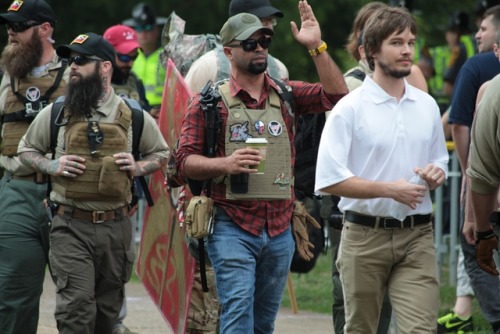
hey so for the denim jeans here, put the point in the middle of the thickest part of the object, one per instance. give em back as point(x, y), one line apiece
point(251, 273)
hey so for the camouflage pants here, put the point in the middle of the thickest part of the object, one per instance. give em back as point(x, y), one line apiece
point(203, 317)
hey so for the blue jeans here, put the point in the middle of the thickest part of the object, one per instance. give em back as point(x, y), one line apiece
point(251, 273)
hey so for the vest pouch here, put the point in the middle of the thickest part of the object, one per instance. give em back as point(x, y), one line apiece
point(239, 183)
point(199, 217)
point(12, 133)
point(112, 181)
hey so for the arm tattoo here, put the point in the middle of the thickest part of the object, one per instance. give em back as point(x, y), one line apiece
point(149, 164)
point(39, 162)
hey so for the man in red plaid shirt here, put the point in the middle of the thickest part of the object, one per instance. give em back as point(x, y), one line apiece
point(252, 245)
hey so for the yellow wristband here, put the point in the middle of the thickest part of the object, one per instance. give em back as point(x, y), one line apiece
point(318, 50)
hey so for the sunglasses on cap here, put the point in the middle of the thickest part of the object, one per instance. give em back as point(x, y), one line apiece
point(82, 60)
point(251, 44)
point(21, 26)
point(147, 27)
point(126, 58)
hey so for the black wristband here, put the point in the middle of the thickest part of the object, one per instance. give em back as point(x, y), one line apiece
point(485, 235)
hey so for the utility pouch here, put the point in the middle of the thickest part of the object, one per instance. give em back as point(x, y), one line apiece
point(112, 181)
point(199, 217)
point(239, 183)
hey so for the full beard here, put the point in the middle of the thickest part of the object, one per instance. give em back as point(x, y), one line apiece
point(398, 74)
point(19, 59)
point(83, 95)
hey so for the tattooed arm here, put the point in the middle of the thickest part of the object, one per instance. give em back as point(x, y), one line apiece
point(66, 165)
point(146, 166)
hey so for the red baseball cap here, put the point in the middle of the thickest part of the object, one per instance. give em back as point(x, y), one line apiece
point(122, 38)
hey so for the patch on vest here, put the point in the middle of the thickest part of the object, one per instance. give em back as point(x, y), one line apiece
point(275, 128)
point(281, 179)
point(239, 132)
point(33, 93)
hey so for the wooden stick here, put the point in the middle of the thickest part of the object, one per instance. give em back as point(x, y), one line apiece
point(291, 294)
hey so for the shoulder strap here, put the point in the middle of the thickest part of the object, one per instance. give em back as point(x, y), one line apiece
point(57, 108)
point(357, 73)
point(137, 127)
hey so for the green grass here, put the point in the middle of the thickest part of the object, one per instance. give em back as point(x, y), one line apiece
point(313, 292)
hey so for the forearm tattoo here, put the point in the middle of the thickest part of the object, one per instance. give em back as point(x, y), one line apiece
point(149, 164)
point(39, 162)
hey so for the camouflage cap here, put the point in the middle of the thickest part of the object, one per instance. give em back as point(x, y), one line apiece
point(240, 27)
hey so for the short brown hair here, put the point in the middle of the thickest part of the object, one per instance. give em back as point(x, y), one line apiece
point(383, 23)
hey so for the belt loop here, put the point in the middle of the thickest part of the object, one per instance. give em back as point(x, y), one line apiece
point(412, 222)
point(377, 222)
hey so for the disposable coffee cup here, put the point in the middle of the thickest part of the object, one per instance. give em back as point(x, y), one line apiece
point(261, 145)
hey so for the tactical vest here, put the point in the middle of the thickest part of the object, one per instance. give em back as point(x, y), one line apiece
point(19, 114)
point(242, 123)
point(102, 179)
point(224, 67)
point(130, 89)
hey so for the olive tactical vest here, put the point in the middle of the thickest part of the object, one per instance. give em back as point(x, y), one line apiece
point(242, 123)
point(102, 179)
point(17, 117)
point(128, 90)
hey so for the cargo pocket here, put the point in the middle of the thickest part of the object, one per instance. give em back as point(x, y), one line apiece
point(128, 265)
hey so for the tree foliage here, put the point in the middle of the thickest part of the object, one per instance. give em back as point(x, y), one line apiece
point(335, 17)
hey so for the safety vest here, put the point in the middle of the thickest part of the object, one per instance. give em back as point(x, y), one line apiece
point(24, 101)
point(242, 123)
point(152, 74)
point(470, 45)
point(102, 179)
point(441, 58)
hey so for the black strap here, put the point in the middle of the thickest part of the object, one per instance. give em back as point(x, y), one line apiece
point(286, 93)
point(137, 127)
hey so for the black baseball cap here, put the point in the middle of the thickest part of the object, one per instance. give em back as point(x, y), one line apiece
point(29, 10)
point(88, 44)
point(259, 8)
point(143, 15)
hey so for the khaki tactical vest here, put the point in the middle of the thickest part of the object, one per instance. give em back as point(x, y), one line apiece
point(32, 88)
point(129, 89)
point(102, 179)
point(243, 123)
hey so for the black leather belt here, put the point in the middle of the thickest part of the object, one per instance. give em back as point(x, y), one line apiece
point(386, 222)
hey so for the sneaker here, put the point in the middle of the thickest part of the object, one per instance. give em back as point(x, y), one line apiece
point(122, 330)
point(451, 323)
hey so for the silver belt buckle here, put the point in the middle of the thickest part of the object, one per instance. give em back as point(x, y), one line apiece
point(95, 217)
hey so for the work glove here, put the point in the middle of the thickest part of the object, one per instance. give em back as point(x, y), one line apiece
point(300, 219)
point(486, 243)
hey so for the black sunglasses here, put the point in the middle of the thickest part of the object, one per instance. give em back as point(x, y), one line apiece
point(147, 27)
point(21, 26)
point(251, 44)
point(82, 60)
point(126, 58)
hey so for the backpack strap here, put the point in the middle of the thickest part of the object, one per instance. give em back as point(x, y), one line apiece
point(137, 127)
point(357, 73)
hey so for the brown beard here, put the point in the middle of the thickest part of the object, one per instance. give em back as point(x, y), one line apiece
point(83, 95)
point(18, 60)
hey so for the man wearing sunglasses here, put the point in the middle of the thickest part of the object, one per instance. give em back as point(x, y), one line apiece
point(91, 255)
point(147, 65)
point(251, 246)
point(33, 77)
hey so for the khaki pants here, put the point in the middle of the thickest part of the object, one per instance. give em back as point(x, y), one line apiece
point(90, 265)
point(402, 259)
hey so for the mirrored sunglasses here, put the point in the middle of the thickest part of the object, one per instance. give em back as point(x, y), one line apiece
point(147, 27)
point(251, 44)
point(82, 60)
point(126, 58)
point(21, 26)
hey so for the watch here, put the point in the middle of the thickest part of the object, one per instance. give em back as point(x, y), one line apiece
point(318, 50)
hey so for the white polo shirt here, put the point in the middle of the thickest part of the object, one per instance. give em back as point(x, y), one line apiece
point(371, 135)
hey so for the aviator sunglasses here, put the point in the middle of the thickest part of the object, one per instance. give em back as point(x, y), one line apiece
point(126, 58)
point(21, 26)
point(251, 44)
point(82, 60)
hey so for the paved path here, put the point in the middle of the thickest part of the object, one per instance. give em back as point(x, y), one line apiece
point(144, 318)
